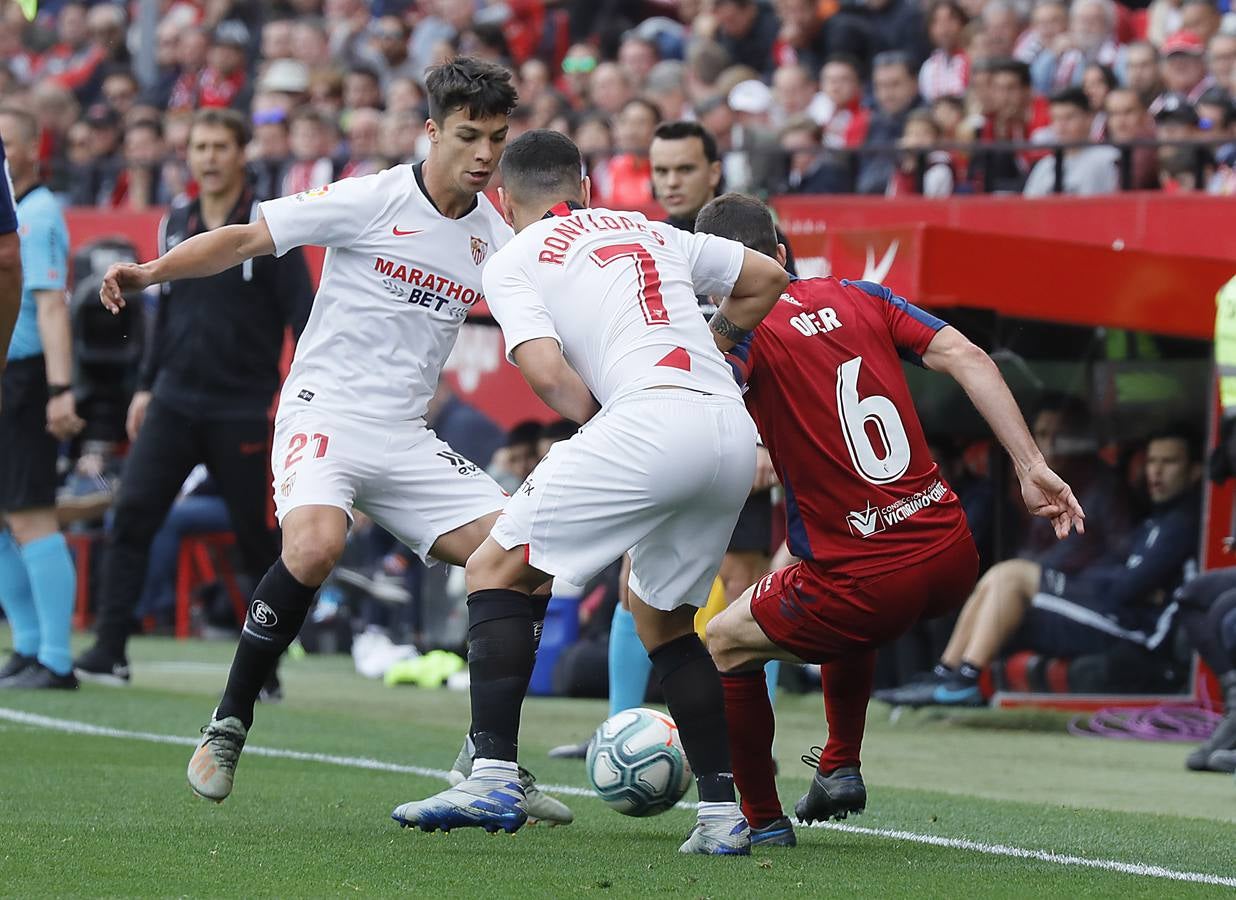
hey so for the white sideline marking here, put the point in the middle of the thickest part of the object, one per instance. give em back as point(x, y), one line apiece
point(360, 762)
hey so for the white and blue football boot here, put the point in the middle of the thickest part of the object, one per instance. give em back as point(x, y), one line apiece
point(491, 798)
point(722, 830)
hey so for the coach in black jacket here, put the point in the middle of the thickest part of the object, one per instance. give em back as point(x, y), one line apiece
point(205, 391)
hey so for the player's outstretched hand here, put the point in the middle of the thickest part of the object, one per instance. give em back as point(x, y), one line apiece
point(1047, 496)
point(121, 277)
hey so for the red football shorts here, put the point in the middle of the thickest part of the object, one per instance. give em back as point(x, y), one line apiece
point(819, 616)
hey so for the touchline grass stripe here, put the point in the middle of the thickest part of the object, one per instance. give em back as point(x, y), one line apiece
point(71, 726)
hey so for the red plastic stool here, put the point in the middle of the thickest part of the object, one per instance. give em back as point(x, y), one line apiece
point(195, 567)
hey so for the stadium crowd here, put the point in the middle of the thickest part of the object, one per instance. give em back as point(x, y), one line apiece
point(879, 96)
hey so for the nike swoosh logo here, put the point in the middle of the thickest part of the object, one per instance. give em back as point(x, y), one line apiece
point(948, 695)
point(398, 232)
point(877, 273)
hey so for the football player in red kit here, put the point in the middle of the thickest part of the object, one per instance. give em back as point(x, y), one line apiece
point(881, 538)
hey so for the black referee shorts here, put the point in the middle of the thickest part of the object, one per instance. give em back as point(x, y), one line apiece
point(27, 451)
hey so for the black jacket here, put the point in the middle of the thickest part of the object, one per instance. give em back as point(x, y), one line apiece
point(215, 347)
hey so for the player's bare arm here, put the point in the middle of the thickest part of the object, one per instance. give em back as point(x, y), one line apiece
point(200, 256)
point(759, 284)
point(54, 332)
point(10, 290)
point(1045, 493)
point(548, 374)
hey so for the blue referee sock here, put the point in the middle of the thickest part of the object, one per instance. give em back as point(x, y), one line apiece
point(629, 665)
point(772, 671)
point(53, 582)
point(16, 599)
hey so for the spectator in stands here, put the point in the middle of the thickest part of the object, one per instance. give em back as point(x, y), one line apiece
point(138, 184)
point(205, 390)
point(1128, 120)
point(949, 114)
point(1184, 170)
point(268, 152)
point(37, 578)
point(666, 88)
point(400, 133)
point(515, 459)
point(1201, 18)
point(946, 72)
point(1163, 18)
point(1087, 169)
point(1184, 66)
point(706, 60)
point(1021, 604)
point(609, 89)
point(626, 181)
point(312, 142)
point(98, 168)
point(793, 89)
point(896, 25)
point(753, 160)
point(806, 37)
point(388, 38)
point(636, 57)
point(310, 44)
point(364, 134)
point(1048, 21)
point(120, 91)
point(1091, 38)
point(839, 105)
point(362, 89)
point(1097, 81)
point(278, 40)
point(921, 169)
point(1205, 602)
point(1142, 71)
point(1175, 120)
point(225, 80)
point(1221, 60)
point(810, 169)
point(896, 93)
point(747, 31)
point(1018, 116)
point(1001, 26)
point(284, 85)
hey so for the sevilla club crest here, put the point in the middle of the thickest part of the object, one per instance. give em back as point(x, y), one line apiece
point(479, 250)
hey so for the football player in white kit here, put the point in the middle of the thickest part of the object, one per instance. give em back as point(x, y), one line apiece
point(406, 248)
point(599, 311)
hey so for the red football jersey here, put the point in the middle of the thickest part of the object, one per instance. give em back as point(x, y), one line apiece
point(826, 389)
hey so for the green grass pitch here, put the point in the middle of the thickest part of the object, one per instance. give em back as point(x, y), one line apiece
point(89, 815)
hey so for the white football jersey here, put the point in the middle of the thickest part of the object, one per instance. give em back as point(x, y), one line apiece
point(398, 281)
point(618, 293)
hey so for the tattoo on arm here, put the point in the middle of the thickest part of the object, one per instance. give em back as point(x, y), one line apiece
point(727, 329)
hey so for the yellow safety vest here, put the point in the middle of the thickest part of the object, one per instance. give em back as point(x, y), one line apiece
point(1225, 346)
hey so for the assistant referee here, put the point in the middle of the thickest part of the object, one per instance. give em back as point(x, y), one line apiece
point(37, 410)
point(205, 391)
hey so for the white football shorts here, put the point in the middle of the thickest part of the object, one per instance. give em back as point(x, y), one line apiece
point(662, 473)
point(400, 474)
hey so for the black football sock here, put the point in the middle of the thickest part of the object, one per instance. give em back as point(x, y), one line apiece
point(540, 606)
point(969, 672)
point(501, 654)
point(692, 689)
point(277, 611)
point(942, 671)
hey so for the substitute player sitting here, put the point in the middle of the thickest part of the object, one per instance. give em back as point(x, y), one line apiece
point(602, 304)
point(881, 537)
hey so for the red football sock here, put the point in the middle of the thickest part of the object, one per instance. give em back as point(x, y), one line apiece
point(847, 688)
point(749, 715)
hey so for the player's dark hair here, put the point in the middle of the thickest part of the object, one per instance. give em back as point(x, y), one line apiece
point(230, 119)
point(1180, 431)
point(1071, 96)
point(742, 219)
point(560, 430)
point(524, 433)
point(542, 163)
point(681, 131)
point(480, 88)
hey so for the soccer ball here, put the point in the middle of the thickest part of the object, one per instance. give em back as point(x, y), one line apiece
point(636, 762)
